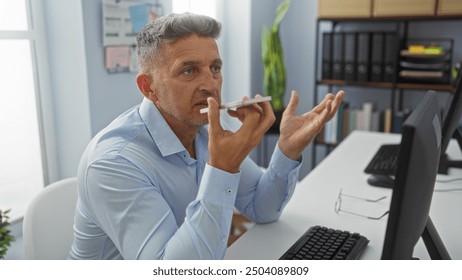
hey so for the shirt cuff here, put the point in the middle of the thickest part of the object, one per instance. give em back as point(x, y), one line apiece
point(219, 187)
point(281, 164)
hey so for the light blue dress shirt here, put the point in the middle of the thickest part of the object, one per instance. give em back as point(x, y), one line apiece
point(141, 196)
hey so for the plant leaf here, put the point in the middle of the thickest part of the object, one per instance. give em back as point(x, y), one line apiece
point(274, 71)
point(281, 12)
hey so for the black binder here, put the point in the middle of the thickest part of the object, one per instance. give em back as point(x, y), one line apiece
point(350, 56)
point(363, 51)
point(391, 54)
point(326, 73)
point(377, 57)
point(338, 63)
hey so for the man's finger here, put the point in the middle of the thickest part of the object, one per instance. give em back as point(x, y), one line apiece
point(293, 103)
point(323, 117)
point(320, 107)
point(338, 99)
point(267, 118)
point(336, 104)
point(213, 115)
point(250, 121)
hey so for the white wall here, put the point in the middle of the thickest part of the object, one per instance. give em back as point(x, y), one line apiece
point(67, 61)
point(109, 94)
point(235, 43)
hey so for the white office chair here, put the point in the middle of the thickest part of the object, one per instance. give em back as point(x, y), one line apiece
point(48, 222)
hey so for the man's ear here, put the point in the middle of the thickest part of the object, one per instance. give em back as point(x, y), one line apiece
point(144, 82)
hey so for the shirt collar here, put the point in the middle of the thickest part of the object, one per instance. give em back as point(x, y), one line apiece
point(160, 131)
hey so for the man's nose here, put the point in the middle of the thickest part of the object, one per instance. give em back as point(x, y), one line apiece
point(209, 81)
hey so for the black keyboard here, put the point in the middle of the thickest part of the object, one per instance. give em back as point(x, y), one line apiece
point(384, 161)
point(322, 243)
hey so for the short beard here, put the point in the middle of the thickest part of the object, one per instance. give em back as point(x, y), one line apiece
point(172, 111)
point(190, 122)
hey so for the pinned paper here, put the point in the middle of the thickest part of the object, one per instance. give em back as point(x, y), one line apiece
point(139, 16)
point(117, 59)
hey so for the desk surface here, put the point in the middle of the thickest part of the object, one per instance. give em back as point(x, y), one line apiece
point(315, 196)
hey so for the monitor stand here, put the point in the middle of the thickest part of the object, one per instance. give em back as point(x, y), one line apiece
point(445, 162)
point(433, 242)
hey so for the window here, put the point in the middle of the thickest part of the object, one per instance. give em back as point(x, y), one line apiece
point(21, 164)
point(203, 7)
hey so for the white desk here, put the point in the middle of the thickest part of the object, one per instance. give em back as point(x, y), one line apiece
point(315, 196)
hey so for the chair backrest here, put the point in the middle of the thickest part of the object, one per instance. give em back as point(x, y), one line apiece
point(48, 223)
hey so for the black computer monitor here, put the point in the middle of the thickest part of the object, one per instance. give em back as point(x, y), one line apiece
point(414, 183)
point(451, 127)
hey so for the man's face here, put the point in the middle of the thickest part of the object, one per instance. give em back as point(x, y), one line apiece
point(188, 73)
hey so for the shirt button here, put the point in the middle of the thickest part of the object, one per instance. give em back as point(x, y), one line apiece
point(223, 238)
point(229, 191)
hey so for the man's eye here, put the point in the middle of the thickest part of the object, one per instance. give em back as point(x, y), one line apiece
point(188, 71)
point(216, 69)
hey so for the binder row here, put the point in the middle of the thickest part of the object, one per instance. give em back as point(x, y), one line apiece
point(367, 118)
point(360, 56)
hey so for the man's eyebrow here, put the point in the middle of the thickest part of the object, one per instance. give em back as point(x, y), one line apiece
point(218, 61)
point(188, 63)
point(192, 62)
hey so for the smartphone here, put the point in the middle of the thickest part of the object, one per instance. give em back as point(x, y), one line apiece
point(241, 103)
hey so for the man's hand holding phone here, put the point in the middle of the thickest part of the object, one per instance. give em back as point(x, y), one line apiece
point(227, 150)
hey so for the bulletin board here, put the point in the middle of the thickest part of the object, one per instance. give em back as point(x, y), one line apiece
point(122, 20)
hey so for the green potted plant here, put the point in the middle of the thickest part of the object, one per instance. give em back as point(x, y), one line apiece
point(5, 234)
point(274, 71)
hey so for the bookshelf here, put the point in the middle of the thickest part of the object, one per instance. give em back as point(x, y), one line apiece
point(395, 87)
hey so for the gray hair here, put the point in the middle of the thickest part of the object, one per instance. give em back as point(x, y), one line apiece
point(166, 30)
